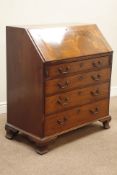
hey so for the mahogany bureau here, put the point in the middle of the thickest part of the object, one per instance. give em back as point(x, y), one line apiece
point(58, 80)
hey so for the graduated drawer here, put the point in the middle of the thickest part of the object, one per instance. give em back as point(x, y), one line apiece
point(77, 66)
point(79, 80)
point(72, 118)
point(76, 97)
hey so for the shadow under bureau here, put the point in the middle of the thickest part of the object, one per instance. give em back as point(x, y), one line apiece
point(58, 79)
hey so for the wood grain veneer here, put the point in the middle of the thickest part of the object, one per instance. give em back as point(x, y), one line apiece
point(58, 79)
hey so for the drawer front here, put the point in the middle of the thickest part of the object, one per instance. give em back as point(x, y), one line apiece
point(80, 80)
point(78, 66)
point(76, 97)
point(72, 118)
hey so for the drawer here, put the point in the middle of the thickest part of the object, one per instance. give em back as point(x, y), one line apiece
point(79, 80)
point(78, 116)
point(76, 97)
point(77, 66)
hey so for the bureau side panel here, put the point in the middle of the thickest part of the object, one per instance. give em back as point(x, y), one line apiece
point(24, 83)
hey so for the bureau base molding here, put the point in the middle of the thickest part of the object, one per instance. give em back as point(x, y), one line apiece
point(33, 137)
point(42, 143)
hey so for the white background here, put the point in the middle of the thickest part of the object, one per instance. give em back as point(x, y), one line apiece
point(21, 12)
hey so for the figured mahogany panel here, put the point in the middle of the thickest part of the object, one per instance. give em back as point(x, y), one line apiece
point(76, 97)
point(79, 80)
point(71, 118)
point(58, 43)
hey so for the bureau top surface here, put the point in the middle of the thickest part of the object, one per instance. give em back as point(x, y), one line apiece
point(68, 41)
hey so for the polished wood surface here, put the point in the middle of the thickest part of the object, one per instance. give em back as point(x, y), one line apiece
point(76, 97)
point(76, 81)
point(61, 70)
point(58, 79)
point(69, 41)
point(65, 120)
point(24, 83)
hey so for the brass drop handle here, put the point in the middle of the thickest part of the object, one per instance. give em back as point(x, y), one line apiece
point(62, 122)
point(96, 93)
point(63, 85)
point(96, 78)
point(94, 111)
point(63, 101)
point(97, 64)
point(64, 70)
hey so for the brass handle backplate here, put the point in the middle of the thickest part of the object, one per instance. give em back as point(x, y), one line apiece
point(94, 111)
point(96, 78)
point(97, 64)
point(95, 93)
point(63, 101)
point(62, 121)
point(63, 85)
point(64, 70)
